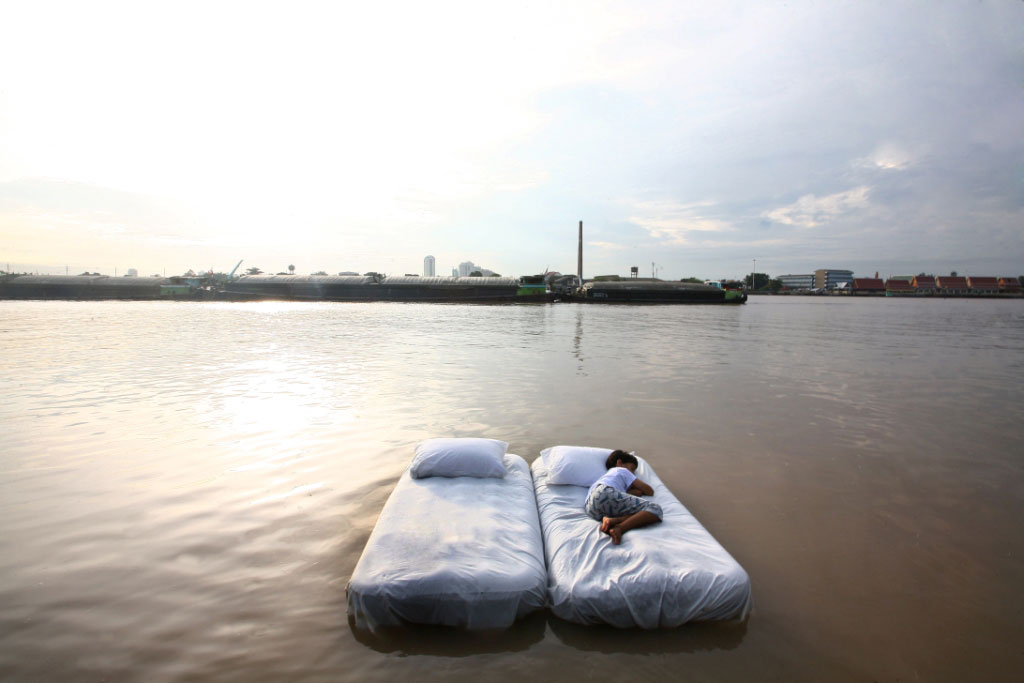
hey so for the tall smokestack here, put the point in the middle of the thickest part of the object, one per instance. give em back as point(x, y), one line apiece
point(579, 256)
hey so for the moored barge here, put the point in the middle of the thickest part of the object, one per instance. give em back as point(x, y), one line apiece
point(656, 292)
point(371, 288)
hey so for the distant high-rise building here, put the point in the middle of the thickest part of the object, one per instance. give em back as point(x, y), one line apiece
point(467, 267)
point(132, 272)
point(428, 266)
point(455, 272)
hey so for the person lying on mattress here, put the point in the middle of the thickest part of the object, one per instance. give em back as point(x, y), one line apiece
point(615, 500)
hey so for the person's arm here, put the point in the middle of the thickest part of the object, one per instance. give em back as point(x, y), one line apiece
point(640, 488)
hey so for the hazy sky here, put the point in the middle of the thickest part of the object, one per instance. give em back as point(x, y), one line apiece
point(335, 136)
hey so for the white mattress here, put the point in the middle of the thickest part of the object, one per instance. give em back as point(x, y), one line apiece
point(461, 551)
point(660, 576)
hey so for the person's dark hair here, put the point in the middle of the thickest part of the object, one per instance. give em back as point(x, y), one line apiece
point(615, 456)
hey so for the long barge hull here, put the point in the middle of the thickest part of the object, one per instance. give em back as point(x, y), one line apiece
point(345, 288)
point(662, 299)
point(366, 293)
point(72, 294)
point(657, 292)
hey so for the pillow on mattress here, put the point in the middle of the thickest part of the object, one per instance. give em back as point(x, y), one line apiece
point(576, 465)
point(479, 458)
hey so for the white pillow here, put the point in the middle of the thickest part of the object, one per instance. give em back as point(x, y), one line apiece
point(459, 458)
point(576, 465)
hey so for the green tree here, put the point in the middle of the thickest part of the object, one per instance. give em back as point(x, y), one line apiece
point(320, 272)
point(253, 271)
point(761, 281)
point(695, 280)
point(476, 273)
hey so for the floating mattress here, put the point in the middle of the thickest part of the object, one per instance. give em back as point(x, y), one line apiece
point(660, 576)
point(459, 551)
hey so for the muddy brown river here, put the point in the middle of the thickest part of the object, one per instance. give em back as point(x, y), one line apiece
point(185, 488)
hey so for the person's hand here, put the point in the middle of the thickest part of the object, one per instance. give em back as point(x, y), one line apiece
point(640, 488)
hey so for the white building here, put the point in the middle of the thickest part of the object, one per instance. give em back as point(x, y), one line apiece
point(825, 278)
point(797, 281)
point(468, 267)
point(428, 266)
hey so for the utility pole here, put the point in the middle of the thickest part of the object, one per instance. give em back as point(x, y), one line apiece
point(753, 276)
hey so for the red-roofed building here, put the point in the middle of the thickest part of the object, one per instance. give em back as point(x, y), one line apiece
point(951, 285)
point(983, 285)
point(1009, 285)
point(868, 285)
point(924, 284)
point(895, 287)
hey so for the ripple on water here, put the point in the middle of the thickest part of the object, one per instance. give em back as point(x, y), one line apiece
point(186, 488)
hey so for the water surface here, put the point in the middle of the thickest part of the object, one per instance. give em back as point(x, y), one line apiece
point(185, 488)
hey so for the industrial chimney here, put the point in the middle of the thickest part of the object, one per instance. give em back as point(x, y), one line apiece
point(579, 257)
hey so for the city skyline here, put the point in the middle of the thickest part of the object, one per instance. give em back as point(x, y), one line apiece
point(870, 137)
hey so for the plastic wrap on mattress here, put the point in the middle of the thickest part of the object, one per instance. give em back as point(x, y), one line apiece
point(660, 576)
point(459, 551)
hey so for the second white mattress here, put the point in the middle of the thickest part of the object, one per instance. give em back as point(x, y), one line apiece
point(663, 575)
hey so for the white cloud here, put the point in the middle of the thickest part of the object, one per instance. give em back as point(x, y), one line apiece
point(747, 243)
point(671, 223)
point(607, 245)
point(811, 211)
point(887, 157)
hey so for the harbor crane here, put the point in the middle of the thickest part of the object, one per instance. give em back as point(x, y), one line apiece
point(232, 273)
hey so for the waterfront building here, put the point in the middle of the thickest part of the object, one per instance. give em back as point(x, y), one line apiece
point(825, 278)
point(1009, 285)
point(428, 266)
point(797, 281)
point(900, 286)
point(948, 285)
point(983, 285)
point(868, 285)
point(924, 284)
